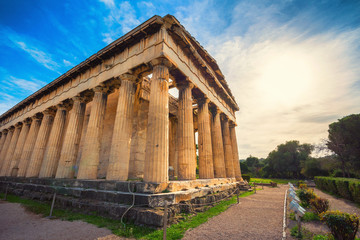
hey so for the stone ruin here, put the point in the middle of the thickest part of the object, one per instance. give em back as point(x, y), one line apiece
point(108, 131)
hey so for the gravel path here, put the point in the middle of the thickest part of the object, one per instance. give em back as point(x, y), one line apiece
point(258, 216)
point(339, 203)
point(17, 223)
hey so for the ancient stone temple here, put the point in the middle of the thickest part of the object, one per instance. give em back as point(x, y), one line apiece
point(112, 117)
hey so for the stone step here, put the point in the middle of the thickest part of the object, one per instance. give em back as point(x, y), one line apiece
point(119, 197)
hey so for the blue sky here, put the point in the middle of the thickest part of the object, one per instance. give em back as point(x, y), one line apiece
point(293, 66)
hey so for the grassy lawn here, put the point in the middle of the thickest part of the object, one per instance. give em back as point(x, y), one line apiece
point(278, 181)
point(175, 231)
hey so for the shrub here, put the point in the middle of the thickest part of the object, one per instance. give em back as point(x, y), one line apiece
point(246, 177)
point(300, 182)
point(323, 237)
point(309, 216)
point(348, 188)
point(342, 225)
point(354, 188)
point(305, 195)
point(319, 205)
point(342, 186)
point(303, 186)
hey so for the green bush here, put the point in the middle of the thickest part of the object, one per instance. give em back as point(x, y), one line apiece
point(323, 237)
point(309, 216)
point(342, 187)
point(246, 177)
point(354, 188)
point(319, 205)
point(342, 225)
point(348, 188)
point(305, 195)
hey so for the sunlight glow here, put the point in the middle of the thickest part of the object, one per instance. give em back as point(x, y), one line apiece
point(286, 78)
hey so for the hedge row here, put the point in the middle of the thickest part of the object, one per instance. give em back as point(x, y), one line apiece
point(348, 188)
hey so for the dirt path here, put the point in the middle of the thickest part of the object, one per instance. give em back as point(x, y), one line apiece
point(258, 216)
point(16, 223)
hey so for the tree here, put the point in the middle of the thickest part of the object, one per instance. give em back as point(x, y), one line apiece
point(344, 141)
point(285, 161)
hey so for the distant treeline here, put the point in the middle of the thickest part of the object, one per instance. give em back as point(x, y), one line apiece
point(294, 160)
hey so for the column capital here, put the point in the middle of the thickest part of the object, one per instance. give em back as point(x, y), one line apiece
point(65, 105)
point(27, 121)
point(161, 61)
point(203, 100)
point(128, 77)
point(232, 124)
point(11, 129)
point(217, 110)
point(37, 116)
point(18, 124)
point(49, 111)
point(186, 83)
point(4, 131)
point(101, 88)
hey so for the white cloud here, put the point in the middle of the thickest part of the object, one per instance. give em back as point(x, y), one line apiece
point(40, 56)
point(120, 20)
point(31, 86)
point(67, 63)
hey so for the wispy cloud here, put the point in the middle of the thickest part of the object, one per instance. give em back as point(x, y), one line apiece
point(121, 19)
point(28, 45)
point(40, 56)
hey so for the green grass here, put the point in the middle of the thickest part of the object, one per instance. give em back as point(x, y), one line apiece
point(310, 216)
point(278, 181)
point(175, 231)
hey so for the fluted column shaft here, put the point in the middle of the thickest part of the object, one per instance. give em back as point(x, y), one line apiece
point(186, 162)
point(11, 150)
point(90, 156)
point(53, 148)
point(6, 148)
point(70, 148)
point(37, 155)
point(157, 142)
point(5, 143)
point(13, 169)
point(29, 146)
point(217, 146)
point(206, 167)
point(173, 156)
point(2, 140)
point(229, 157)
point(235, 153)
point(119, 160)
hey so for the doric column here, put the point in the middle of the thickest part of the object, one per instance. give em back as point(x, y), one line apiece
point(13, 169)
point(53, 148)
point(90, 156)
point(10, 152)
point(3, 138)
point(235, 152)
point(229, 157)
point(37, 155)
point(29, 145)
point(173, 156)
point(217, 146)
point(206, 167)
point(118, 168)
point(70, 148)
point(3, 142)
point(157, 142)
point(6, 147)
point(186, 160)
